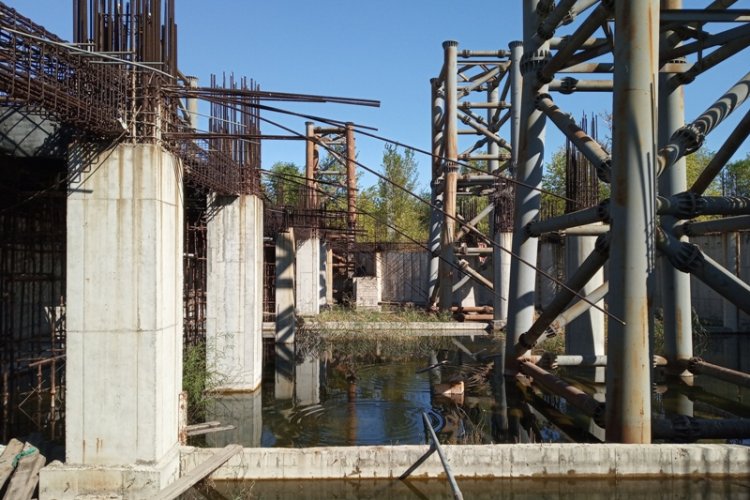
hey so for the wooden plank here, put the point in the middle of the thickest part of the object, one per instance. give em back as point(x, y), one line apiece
point(209, 430)
point(6, 460)
point(24, 481)
point(199, 473)
point(204, 425)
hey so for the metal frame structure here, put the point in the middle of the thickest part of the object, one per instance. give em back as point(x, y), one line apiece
point(645, 53)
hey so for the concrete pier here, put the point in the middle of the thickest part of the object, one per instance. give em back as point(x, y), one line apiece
point(285, 300)
point(124, 327)
point(234, 301)
point(308, 274)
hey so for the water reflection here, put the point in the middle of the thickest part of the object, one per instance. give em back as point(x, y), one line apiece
point(344, 397)
point(518, 488)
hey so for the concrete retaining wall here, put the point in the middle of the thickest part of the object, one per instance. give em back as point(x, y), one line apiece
point(480, 461)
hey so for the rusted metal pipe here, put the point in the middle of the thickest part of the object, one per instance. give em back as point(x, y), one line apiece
point(450, 141)
point(699, 367)
point(573, 395)
point(527, 201)
point(631, 205)
point(580, 277)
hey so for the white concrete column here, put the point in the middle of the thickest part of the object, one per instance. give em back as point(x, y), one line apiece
point(285, 317)
point(307, 284)
point(323, 275)
point(329, 274)
point(124, 326)
point(234, 293)
point(585, 334)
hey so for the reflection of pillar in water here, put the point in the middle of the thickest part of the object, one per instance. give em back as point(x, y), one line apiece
point(435, 373)
point(677, 402)
point(518, 423)
point(351, 413)
point(243, 411)
point(284, 382)
point(307, 377)
point(599, 394)
point(500, 410)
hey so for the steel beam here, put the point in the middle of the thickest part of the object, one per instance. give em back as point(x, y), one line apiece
point(436, 192)
point(527, 197)
point(632, 209)
point(450, 138)
point(678, 331)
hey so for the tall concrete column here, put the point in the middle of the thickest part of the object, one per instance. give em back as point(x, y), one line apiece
point(285, 301)
point(632, 209)
point(678, 330)
point(585, 334)
point(450, 141)
point(124, 326)
point(436, 192)
point(527, 196)
point(234, 293)
point(307, 283)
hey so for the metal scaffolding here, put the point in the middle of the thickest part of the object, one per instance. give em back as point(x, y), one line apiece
point(645, 65)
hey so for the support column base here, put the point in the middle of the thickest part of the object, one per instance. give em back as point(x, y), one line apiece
point(61, 481)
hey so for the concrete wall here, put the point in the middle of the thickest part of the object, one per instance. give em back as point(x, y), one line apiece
point(124, 312)
point(480, 461)
point(234, 294)
point(404, 276)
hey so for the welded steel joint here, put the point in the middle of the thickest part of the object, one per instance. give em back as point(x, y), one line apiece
point(684, 205)
point(690, 136)
point(684, 256)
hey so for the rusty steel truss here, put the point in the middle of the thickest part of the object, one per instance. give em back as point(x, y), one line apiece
point(643, 52)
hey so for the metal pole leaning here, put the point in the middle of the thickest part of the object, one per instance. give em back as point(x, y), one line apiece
point(588, 268)
point(632, 208)
point(450, 140)
point(527, 198)
point(678, 331)
point(435, 446)
point(436, 215)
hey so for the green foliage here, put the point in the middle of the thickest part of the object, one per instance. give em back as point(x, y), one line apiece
point(332, 174)
point(695, 163)
point(395, 215)
point(194, 379)
point(282, 186)
point(735, 179)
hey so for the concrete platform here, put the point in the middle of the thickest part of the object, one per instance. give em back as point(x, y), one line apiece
point(481, 461)
point(418, 329)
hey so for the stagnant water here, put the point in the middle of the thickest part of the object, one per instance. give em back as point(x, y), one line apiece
point(346, 395)
point(517, 489)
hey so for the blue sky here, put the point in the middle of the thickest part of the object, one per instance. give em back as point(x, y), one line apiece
point(386, 50)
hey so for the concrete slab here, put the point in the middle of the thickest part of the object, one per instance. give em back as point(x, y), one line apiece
point(481, 461)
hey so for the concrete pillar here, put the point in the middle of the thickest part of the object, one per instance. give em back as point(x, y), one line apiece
point(124, 327)
point(234, 293)
point(283, 388)
point(585, 334)
point(329, 275)
point(307, 282)
point(323, 275)
point(285, 317)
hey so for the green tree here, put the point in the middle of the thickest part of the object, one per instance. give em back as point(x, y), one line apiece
point(399, 208)
point(332, 174)
point(735, 179)
point(284, 184)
